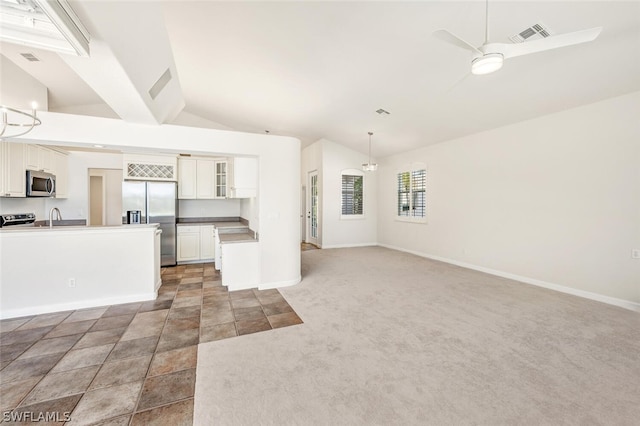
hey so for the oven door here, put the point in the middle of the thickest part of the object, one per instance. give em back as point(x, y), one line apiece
point(40, 184)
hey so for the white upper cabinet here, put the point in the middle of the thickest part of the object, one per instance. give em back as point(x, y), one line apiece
point(187, 174)
point(205, 179)
point(13, 178)
point(202, 178)
point(39, 158)
point(150, 167)
point(245, 177)
point(17, 158)
point(221, 178)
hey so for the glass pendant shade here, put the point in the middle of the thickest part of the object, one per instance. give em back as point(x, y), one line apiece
point(369, 166)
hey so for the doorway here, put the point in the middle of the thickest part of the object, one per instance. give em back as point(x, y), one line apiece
point(105, 197)
point(313, 206)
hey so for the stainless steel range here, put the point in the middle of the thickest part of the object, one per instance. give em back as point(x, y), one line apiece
point(17, 219)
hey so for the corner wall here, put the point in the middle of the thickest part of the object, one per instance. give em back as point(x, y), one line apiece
point(339, 232)
point(553, 201)
point(330, 159)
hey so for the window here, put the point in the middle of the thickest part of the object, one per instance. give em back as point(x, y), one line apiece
point(412, 202)
point(352, 200)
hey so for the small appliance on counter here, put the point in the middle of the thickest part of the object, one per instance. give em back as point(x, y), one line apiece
point(17, 219)
point(134, 216)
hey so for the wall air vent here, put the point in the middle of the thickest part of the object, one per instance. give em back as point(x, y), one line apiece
point(30, 57)
point(160, 84)
point(534, 32)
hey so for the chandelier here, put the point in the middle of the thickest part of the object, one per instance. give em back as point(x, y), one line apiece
point(17, 123)
point(369, 166)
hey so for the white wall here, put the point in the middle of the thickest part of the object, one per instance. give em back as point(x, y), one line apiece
point(19, 89)
point(185, 118)
point(209, 208)
point(553, 201)
point(337, 232)
point(249, 211)
point(95, 110)
point(278, 184)
point(311, 160)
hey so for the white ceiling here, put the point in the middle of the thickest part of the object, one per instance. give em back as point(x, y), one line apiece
point(321, 69)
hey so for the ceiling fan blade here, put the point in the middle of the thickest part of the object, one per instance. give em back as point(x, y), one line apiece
point(553, 42)
point(451, 38)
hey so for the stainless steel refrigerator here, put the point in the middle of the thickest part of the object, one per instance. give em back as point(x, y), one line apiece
point(157, 203)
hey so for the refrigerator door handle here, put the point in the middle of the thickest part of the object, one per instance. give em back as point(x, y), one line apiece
point(146, 198)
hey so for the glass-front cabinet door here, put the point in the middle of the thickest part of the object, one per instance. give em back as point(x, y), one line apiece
point(221, 179)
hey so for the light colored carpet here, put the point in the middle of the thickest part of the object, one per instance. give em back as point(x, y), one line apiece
point(392, 338)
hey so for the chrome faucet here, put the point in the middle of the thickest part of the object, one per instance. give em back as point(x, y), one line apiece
point(58, 216)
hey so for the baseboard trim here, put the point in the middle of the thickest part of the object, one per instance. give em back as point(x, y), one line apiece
point(277, 284)
point(626, 304)
point(84, 304)
point(332, 246)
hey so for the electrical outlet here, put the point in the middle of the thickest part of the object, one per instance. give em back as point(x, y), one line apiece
point(72, 282)
point(635, 253)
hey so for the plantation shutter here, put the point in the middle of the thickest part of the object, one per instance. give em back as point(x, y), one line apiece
point(352, 195)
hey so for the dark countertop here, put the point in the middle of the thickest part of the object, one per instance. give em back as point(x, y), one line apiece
point(209, 220)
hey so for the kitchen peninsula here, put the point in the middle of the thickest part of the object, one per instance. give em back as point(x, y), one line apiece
point(72, 267)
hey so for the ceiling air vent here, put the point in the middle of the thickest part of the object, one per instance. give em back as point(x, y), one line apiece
point(30, 57)
point(534, 32)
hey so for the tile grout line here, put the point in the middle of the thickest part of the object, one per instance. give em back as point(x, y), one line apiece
point(173, 284)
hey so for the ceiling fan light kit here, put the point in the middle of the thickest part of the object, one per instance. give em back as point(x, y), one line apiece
point(487, 64)
point(489, 57)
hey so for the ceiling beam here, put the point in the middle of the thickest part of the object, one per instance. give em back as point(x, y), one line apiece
point(131, 64)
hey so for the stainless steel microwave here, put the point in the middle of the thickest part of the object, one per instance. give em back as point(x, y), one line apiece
point(40, 184)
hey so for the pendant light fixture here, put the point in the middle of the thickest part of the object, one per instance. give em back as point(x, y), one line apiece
point(15, 118)
point(369, 166)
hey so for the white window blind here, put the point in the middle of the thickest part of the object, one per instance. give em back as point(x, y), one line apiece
point(352, 195)
point(412, 201)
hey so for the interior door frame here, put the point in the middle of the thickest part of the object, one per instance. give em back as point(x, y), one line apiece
point(310, 238)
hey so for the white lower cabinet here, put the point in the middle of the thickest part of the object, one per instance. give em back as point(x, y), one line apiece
point(195, 243)
point(207, 242)
point(240, 267)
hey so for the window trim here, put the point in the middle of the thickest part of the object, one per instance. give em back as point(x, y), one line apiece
point(413, 167)
point(353, 172)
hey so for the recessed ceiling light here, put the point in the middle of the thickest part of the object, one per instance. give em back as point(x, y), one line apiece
point(98, 146)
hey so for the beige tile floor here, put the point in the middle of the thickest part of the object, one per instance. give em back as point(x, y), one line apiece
point(131, 364)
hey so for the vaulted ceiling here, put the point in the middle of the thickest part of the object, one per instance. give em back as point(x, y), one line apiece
point(321, 69)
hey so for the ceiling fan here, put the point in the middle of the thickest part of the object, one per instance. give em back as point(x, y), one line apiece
point(489, 57)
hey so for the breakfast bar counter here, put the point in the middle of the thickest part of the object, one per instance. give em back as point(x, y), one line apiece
point(62, 268)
